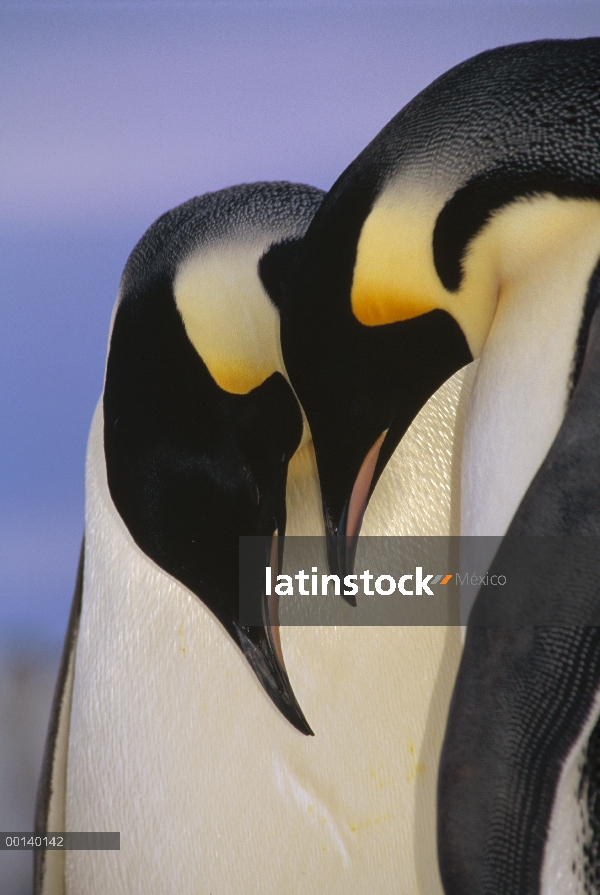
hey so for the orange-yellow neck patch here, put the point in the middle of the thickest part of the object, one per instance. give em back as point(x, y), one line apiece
point(228, 316)
point(394, 276)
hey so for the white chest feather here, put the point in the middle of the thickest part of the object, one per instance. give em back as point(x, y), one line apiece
point(418, 493)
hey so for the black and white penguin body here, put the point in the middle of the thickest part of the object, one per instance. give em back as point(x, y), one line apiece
point(162, 728)
point(470, 228)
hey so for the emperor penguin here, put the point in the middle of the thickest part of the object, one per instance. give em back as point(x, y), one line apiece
point(173, 723)
point(470, 229)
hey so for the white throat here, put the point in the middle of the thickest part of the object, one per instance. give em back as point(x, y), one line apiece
point(521, 388)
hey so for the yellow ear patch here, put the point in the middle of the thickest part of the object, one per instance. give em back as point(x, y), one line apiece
point(228, 317)
point(394, 276)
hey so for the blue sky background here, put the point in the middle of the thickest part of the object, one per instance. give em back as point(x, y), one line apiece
point(111, 113)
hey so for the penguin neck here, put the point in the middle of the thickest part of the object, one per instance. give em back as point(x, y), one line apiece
point(521, 389)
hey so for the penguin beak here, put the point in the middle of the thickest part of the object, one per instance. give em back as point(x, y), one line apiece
point(342, 539)
point(261, 645)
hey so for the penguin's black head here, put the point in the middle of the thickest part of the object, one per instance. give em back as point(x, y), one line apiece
point(199, 422)
point(191, 466)
point(360, 384)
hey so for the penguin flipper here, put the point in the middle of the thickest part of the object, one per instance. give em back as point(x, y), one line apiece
point(49, 866)
point(517, 785)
